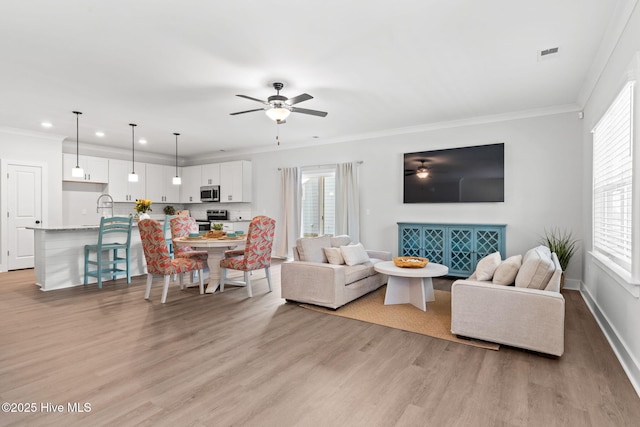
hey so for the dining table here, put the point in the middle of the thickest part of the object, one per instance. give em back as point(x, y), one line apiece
point(216, 248)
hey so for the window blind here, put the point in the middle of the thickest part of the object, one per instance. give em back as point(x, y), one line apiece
point(612, 180)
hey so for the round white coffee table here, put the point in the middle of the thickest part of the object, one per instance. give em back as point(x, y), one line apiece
point(410, 285)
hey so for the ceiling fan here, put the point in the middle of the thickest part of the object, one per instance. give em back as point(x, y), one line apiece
point(421, 172)
point(278, 107)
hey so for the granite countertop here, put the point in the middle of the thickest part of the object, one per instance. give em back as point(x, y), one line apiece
point(68, 227)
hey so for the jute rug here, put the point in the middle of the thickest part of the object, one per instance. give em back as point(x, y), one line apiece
point(435, 322)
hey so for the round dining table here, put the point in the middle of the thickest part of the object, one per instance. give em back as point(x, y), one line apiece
point(216, 249)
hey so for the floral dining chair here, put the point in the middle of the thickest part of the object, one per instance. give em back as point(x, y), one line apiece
point(159, 261)
point(182, 226)
point(257, 254)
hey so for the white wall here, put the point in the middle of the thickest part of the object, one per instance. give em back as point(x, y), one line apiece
point(543, 185)
point(32, 147)
point(617, 310)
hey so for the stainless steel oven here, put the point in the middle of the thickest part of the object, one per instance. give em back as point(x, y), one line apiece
point(203, 225)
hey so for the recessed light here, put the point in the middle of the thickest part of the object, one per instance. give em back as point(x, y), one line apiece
point(46, 124)
point(100, 134)
point(142, 141)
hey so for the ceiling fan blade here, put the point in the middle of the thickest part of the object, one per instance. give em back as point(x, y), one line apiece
point(307, 111)
point(248, 111)
point(253, 99)
point(299, 98)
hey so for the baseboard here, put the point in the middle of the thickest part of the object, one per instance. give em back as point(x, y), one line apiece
point(629, 364)
point(572, 284)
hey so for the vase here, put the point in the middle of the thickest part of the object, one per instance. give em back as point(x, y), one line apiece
point(143, 215)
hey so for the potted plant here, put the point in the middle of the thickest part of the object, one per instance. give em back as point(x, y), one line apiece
point(563, 244)
point(169, 210)
point(216, 230)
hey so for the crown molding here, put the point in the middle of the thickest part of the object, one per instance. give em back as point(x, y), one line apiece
point(618, 24)
point(30, 133)
point(386, 133)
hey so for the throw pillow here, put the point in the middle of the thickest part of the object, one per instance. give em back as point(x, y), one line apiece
point(334, 255)
point(487, 266)
point(354, 254)
point(312, 248)
point(507, 271)
point(537, 269)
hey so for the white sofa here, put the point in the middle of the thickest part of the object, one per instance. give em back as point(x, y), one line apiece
point(311, 278)
point(529, 314)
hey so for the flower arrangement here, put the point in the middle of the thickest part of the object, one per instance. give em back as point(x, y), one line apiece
point(143, 206)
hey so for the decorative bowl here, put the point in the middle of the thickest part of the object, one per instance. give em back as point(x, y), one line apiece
point(410, 262)
point(215, 234)
point(193, 235)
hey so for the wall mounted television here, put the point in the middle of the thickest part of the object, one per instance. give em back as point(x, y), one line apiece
point(455, 175)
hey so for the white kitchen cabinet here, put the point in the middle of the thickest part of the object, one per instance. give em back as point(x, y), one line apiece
point(191, 182)
point(159, 184)
point(119, 186)
point(211, 174)
point(235, 181)
point(96, 169)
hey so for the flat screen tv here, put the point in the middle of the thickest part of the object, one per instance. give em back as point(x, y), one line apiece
point(455, 175)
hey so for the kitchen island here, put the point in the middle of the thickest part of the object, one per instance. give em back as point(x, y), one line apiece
point(59, 255)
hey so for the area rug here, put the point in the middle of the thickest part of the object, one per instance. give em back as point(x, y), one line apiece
point(435, 322)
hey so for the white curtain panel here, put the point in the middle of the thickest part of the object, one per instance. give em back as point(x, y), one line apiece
point(348, 201)
point(291, 211)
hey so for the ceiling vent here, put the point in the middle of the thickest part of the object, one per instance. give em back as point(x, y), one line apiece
point(547, 53)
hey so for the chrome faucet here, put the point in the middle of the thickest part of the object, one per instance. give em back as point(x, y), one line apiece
point(107, 203)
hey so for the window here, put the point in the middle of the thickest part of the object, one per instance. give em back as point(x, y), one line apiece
point(612, 181)
point(318, 201)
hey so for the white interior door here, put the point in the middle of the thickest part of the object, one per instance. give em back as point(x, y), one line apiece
point(24, 191)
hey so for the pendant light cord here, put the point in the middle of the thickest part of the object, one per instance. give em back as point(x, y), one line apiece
point(77, 113)
point(133, 148)
point(176, 134)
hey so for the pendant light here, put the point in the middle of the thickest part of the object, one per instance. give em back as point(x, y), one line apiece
point(77, 172)
point(133, 177)
point(176, 179)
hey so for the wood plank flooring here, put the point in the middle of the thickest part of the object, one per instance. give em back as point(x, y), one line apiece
point(225, 359)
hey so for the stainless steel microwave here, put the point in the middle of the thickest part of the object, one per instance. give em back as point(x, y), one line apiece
point(210, 193)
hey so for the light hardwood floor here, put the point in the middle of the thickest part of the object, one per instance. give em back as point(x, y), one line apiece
point(225, 359)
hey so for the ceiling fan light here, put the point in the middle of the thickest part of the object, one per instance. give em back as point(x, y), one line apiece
point(278, 114)
point(422, 173)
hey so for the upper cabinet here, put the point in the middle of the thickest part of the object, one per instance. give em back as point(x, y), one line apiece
point(119, 186)
point(235, 181)
point(96, 169)
point(159, 184)
point(191, 181)
point(211, 174)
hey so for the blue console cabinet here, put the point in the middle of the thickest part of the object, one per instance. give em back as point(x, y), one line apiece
point(458, 246)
